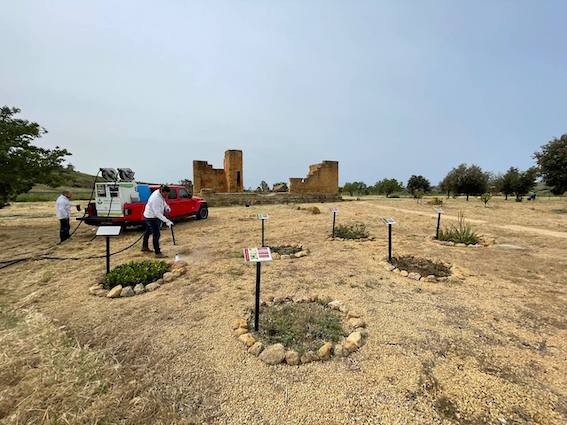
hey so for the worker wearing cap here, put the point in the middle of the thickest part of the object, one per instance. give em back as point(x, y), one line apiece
point(154, 215)
point(63, 212)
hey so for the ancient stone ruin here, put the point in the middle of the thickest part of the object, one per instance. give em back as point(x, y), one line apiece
point(226, 180)
point(322, 178)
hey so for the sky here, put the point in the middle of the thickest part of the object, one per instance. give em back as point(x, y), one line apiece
point(387, 88)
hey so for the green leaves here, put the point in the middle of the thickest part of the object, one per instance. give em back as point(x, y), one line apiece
point(552, 162)
point(134, 272)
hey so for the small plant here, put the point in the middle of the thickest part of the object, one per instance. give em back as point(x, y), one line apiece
point(485, 197)
point(135, 272)
point(423, 266)
point(301, 327)
point(315, 210)
point(351, 231)
point(286, 249)
point(461, 233)
point(435, 201)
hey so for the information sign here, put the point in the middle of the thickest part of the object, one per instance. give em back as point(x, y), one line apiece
point(108, 230)
point(438, 210)
point(262, 216)
point(334, 210)
point(257, 255)
point(388, 220)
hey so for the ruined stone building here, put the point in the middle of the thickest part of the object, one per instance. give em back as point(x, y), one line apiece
point(226, 180)
point(322, 178)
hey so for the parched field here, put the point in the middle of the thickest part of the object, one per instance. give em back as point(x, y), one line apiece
point(487, 346)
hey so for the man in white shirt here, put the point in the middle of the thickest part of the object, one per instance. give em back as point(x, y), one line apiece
point(63, 212)
point(154, 215)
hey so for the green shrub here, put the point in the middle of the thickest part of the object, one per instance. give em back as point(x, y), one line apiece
point(485, 197)
point(423, 266)
point(435, 201)
point(461, 233)
point(351, 231)
point(135, 272)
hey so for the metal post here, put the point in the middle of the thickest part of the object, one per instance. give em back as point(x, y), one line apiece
point(257, 308)
point(263, 232)
point(107, 255)
point(172, 234)
point(334, 219)
point(389, 242)
point(438, 224)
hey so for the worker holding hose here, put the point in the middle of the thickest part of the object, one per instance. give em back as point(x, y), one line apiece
point(63, 212)
point(154, 212)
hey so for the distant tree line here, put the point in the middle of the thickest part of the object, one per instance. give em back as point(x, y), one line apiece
point(471, 180)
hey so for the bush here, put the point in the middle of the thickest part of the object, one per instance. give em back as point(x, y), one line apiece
point(423, 266)
point(135, 272)
point(351, 231)
point(435, 201)
point(286, 249)
point(461, 233)
point(485, 197)
point(301, 327)
point(315, 210)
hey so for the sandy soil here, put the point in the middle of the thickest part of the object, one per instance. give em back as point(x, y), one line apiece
point(490, 346)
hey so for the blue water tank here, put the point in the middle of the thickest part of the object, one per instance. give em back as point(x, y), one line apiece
point(144, 192)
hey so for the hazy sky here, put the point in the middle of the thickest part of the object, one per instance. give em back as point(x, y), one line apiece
point(387, 88)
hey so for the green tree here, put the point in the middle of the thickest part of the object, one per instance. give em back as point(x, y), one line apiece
point(22, 164)
point(388, 186)
point(525, 183)
point(508, 182)
point(418, 183)
point(552, 162)
point(449, 183)
point(470, 180)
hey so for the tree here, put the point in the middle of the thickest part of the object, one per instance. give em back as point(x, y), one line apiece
point(358, 188)
point(263, 187)
point(388, 186)
point(525, 182)
point(552, 162)
point(508, 182)
point(468, 180)
point(22, 164)
point(449, 183)
point(485, 197)
point(417, 183)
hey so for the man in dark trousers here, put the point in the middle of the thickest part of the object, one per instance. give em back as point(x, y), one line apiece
point(63, 212)
point(154, 215)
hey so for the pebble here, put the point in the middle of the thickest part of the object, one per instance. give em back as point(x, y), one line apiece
point(335, 305)
point(389, 267)
point(325, 351)
point(274, 354)
point(152, 286)
point(404, 273)
point(240, 331)
point(127, 292)
point(139, 289)
point(114, 292)
point(357, 323)
point(168, 277)
point(431, 278)
point(352, 314)
point(396, 270)
point(355, 338)
point(414, 276)
point(309, 356)
point(239, 323)
point(340, 351)
point(256, 349)
point(292, 358)
point(247, 339)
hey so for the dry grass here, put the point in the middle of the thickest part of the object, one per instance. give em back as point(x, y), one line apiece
point(488, 345)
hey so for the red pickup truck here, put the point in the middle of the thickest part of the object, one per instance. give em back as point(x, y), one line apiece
point(123, 203)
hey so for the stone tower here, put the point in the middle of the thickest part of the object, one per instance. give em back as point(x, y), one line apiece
point(233, 171)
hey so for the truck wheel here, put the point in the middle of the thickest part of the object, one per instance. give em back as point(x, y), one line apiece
point(203, 213)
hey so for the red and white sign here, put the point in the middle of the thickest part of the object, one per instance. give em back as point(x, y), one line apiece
point(257, 255)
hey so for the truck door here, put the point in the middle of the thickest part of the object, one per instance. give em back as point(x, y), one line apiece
point(187, 203)
point(173, 202)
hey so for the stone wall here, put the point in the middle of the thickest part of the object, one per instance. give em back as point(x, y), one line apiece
point(249, 198)
point(322, 178)
point(229, 179)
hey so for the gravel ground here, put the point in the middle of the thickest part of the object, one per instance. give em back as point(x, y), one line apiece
point(488, 346)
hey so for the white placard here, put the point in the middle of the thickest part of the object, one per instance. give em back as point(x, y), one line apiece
point(257, 255)
point(388, 220)
point(438, 210)
point(334, 210)
point(108, 230)
point(262, 216)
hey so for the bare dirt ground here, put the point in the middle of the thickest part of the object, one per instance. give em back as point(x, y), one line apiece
point(489, 346)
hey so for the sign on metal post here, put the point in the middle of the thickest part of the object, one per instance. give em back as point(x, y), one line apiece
point(439, 211)
point(389, 221)
point(108, 232)
point(263, 217)
point(334, 211)
point(258, 256)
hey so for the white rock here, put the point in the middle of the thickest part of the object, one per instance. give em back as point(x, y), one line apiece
point(274, 354)
point(404, 273)
point(114, 292)
point(127, 292)
point(139, 289)
point(152, 286)
point(335, 305)
point(414, 276)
